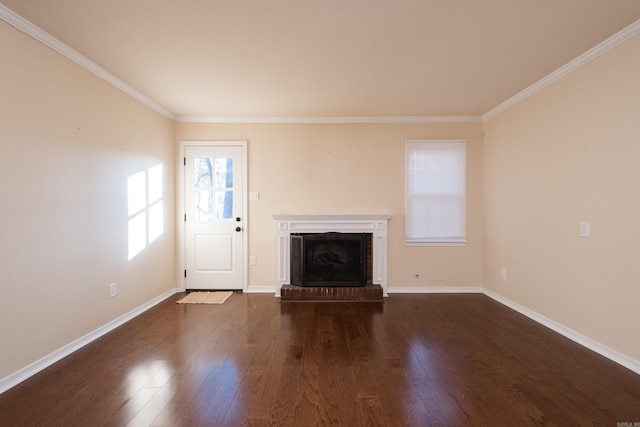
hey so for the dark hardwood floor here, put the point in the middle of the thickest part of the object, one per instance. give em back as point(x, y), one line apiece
point(418, 360)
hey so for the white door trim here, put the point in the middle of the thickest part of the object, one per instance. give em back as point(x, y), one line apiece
point(181, 212)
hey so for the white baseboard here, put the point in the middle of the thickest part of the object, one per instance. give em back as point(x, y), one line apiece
point(584, 341)
point(261, 290)
point(37, 366)
point(435, 290)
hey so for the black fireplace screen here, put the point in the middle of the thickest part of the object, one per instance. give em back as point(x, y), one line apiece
point(328, 259)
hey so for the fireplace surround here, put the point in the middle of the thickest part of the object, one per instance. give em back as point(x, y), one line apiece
point(375, 224)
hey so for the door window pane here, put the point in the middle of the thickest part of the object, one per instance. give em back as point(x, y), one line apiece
point(214, 188)
point(224, 205)
point(224, 172)
point(204, 206)
point(204, 173)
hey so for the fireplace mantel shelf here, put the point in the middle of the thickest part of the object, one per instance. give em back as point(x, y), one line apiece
point(376, 224)
point(330, 217)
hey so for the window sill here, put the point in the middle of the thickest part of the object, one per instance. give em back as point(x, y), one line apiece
point(435, 243)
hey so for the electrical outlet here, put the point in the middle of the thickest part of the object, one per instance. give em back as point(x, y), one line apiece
point(252, 260)
point(503, 273)
point(113, 289)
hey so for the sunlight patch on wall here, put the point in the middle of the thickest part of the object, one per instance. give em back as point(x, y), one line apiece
point(145, 208)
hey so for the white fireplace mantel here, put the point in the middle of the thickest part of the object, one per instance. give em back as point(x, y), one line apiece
point(376, 224)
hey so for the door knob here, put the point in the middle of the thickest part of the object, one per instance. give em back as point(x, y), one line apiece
point(238, 219)
point(238, 229)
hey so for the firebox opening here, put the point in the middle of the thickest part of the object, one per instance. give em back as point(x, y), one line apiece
point(329, 259)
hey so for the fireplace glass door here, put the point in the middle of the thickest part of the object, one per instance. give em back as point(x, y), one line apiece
point(328, 259)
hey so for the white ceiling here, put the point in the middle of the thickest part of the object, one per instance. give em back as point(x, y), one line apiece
point(329, 58)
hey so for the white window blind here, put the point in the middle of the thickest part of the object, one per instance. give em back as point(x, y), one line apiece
point(435, 191)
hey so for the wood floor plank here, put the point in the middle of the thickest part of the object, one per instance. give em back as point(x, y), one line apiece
point(414, 360)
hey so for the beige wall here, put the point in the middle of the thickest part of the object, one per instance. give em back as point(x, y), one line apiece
point(349, 168)
point(567, 154)
point(69, 140)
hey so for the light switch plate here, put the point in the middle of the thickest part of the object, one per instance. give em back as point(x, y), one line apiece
point(585, 229)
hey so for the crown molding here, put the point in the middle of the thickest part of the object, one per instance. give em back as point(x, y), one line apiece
point(325, 120)
point(21, 24)
point(586, 57)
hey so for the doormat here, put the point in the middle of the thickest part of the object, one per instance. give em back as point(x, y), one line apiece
point(206, 298)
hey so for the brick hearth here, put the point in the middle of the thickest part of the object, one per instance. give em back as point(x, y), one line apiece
point(360, 293)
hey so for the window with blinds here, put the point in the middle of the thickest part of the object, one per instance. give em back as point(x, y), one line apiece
point(435, 197)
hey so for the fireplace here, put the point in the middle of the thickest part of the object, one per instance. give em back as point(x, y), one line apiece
point(373, 224)
point(329, 259)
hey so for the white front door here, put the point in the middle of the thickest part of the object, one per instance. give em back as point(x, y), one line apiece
point(213, 209)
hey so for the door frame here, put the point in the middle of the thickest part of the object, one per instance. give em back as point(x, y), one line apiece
point(181, 211)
